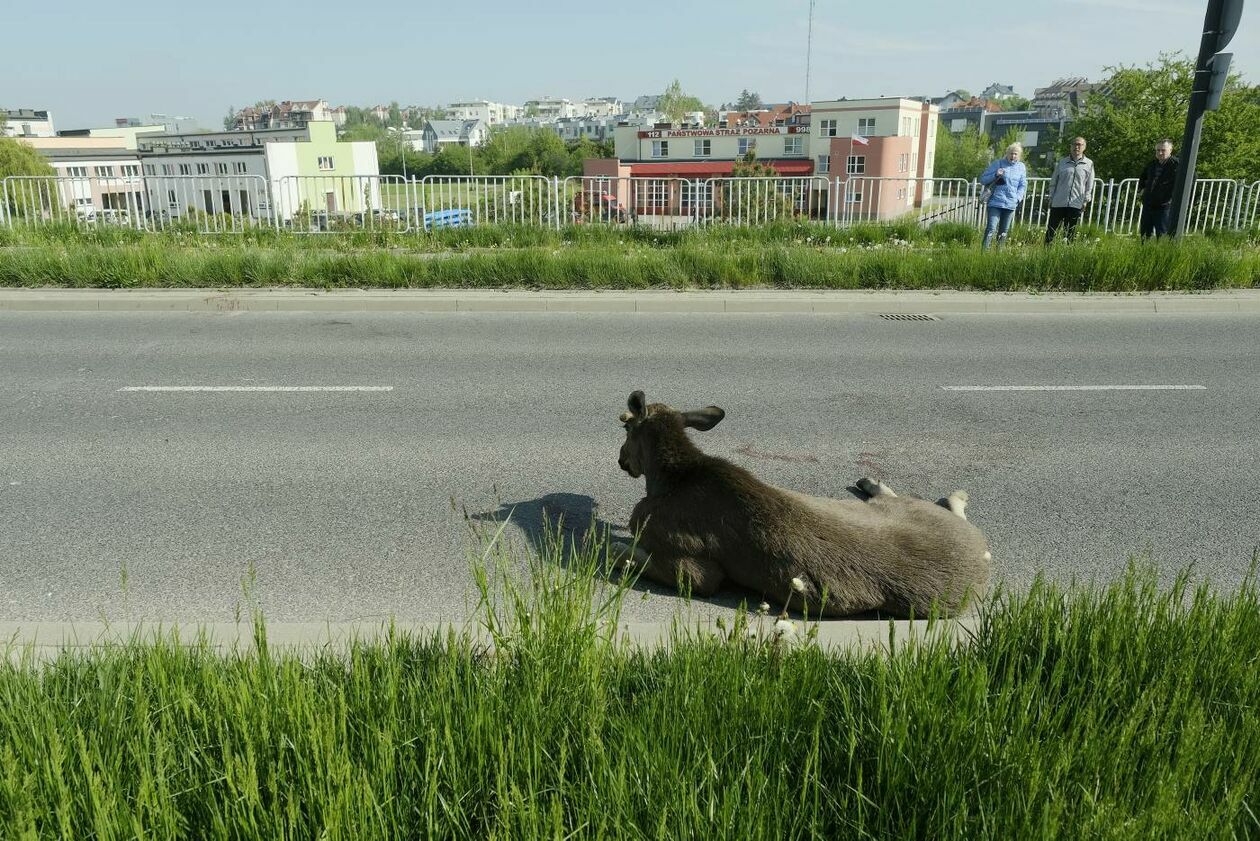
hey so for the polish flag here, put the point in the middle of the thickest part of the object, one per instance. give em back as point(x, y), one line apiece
point(859, 140)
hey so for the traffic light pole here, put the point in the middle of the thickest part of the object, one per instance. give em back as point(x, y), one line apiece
point(1210, 70)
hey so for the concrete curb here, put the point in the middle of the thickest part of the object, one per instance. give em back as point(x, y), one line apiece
point(741, 302)
point(45, 640)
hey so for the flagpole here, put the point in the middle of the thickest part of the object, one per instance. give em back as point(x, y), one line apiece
point(809, 46)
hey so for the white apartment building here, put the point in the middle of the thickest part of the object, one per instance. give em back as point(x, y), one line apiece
point(550, 108)
point(27, 122)
point(490, 113)
point(229, 171)
point(95, 174)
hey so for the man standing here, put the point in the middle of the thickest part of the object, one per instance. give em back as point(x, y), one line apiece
point(1071, 187)
point(1155, 188)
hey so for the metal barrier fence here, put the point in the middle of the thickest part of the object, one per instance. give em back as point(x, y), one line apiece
point(441, 201)
point(323, 204)
point(335, 203)
point(204, 204)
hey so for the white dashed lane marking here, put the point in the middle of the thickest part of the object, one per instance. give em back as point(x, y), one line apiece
point(1074, 387)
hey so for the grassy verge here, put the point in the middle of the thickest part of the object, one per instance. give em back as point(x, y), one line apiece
point(1104, 266)
point(1120, 711)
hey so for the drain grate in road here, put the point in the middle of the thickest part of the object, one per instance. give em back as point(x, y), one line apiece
point(908, 316)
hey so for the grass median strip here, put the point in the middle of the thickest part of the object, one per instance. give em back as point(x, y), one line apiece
point(803, 256)
point(1123, 710)
point(1101, 267)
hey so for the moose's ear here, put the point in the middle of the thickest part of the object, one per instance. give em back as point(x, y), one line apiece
point(703, 419)
point(637, 404)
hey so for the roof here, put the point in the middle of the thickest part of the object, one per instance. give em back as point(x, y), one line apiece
point(684, 169)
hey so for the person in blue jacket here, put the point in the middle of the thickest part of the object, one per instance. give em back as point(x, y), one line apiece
point(1007, 180)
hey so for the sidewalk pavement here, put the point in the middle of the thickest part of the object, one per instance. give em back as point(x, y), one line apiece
point(45, 640)
point(1232, 301)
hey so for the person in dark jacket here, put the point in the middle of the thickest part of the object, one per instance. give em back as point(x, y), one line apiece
point(1155, 188)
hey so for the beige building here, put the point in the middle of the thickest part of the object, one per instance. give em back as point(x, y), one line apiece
point(875, 155)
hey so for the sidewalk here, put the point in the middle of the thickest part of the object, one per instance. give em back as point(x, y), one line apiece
point(45, 640)
point(726, 301)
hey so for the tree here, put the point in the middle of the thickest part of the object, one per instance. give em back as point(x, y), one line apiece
point(1015, 102)
point(229, 119)
point(1138, 106)
point(961, 155)
point(17, 158)
point(748, 101)
point(395, 118)
point(754, 200)
point(675, 104)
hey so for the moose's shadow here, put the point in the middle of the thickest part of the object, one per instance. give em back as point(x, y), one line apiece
point(573, 521)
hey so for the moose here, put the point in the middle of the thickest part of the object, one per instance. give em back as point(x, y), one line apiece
point(706, 522)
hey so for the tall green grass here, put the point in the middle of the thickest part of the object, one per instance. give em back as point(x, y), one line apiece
point(1105, 266)
point(1114, 711)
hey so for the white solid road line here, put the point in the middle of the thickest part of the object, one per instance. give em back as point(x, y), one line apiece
point(258, 388)
point(1074, 387)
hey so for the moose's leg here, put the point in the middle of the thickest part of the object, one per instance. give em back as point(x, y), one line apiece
point(703, 578)
point(620, 552)
point(957, 502)
point(874, 489)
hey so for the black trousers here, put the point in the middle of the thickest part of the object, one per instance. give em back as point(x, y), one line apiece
point(1155, 220)
point(1063, 217)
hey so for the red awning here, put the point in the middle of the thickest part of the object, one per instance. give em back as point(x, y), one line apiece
point(714, 169)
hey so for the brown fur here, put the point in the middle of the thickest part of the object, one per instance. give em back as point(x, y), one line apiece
point(706, 522)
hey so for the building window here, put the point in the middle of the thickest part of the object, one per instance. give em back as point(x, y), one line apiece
point(185, 169)
point(660, 148)
point(903, 162)
point(104, 171)
point(167, 169)
point(170, 200)
point(240, 167)
point(130, 170)
point(854, 197)
point(855, 165)
point(827, 128)
point(325, 162)
point(657, 194)
point(746, 145)
point(203, 169)
point(794, 144)
point(148, 169)
point(697, 196)
point(76, 171)
point(221, 168)
point(824, 164)
point(704, 148)
point(866, 125)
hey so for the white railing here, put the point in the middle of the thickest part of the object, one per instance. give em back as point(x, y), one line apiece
point(206, 204)
point(321, 204)
point(332, 203)
point(442, 201)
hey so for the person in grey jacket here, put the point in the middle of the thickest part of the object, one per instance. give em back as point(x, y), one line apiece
point(1007, 180)
point(1071, 187)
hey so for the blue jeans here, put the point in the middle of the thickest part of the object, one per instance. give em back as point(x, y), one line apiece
point(1000, 222)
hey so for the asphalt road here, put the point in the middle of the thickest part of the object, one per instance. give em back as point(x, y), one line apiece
point(337, 504)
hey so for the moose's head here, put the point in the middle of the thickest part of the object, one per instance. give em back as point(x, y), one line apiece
point(655, 436)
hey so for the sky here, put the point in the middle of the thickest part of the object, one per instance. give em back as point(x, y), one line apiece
point(89, 62)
